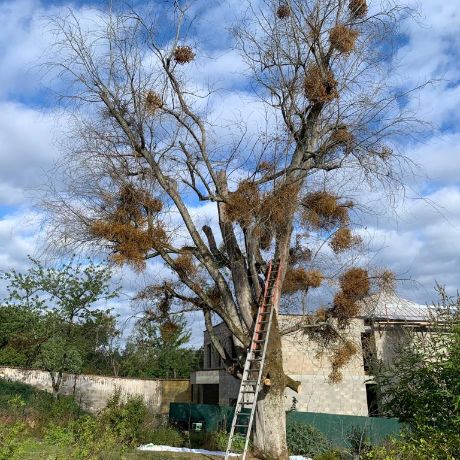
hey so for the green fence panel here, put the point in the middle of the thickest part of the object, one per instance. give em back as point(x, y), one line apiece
point(213, 417)
point(337, 428)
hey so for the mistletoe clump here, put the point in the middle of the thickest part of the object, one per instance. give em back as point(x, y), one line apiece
point(184, 54)
point(298, 279)
point(343, 239)
point(153, 102)
point(343, 38)
point(322, 210)
point(354, 285)
point(358, 8)
point(320, 85)
point(341, 356)
point(130, 226)
point(243, 203)
point(283, 11)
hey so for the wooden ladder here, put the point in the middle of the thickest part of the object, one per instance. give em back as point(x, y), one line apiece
point(254, 365)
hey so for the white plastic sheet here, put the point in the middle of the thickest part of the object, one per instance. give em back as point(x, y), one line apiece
point(154, 448)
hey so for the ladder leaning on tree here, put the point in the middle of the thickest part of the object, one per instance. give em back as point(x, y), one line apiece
point(255, 360)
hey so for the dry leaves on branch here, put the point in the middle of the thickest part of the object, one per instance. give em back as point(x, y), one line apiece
point(342, 355)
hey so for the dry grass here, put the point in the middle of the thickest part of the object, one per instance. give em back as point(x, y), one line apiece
point(358, 8)
point(184, 54)
point(343, 38)
point(320, 85)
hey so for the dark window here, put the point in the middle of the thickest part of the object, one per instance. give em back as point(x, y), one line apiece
point(210, 394)
point(208, 356)
point(369, 351)
point(372, 400)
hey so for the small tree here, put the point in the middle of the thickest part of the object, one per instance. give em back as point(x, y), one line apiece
point(421, 386)
point(158, 346)
point(68, 324)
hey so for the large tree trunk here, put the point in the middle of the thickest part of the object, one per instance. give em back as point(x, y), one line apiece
point(269, 436)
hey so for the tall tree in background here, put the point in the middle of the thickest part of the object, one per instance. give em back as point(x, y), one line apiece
point(56, 322)
point(144, 148)
point(158, 345)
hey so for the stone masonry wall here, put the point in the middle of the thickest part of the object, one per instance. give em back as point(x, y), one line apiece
point(92, 391)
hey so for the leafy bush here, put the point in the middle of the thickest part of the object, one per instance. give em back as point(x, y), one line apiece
point(432, 445)
point(303, 439)
point(218, 440)
point(166, 436)
point(358, 440)
point(58, 435)
point(10, 441)
point(126, 419)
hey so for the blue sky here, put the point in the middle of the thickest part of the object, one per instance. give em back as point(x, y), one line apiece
point(419, 239)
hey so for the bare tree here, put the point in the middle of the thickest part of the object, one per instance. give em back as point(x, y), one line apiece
point(144, 148)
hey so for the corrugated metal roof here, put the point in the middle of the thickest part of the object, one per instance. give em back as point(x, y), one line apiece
point(388, 305)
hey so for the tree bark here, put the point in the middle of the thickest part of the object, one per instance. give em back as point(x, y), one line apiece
point(269, 435)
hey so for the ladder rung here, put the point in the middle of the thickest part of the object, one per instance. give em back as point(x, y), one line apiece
point(241, 426)
point(248, 391)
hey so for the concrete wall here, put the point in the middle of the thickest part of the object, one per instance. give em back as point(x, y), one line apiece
point(92, 391)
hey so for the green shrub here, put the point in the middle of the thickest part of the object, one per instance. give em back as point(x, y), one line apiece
point(333, 455)
point(432, 445)
point(58, 435)
point(126, 419)
point(11, 447)
point(93, 439)
point(303, 439)
point(166, 436)
point(358, 440)
point(218, 440)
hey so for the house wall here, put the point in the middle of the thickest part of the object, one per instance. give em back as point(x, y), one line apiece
point(92, 391)
point(304, 361)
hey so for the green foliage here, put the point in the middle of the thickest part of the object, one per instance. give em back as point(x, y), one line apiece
point(431, 445)
point(126, 419)
point(422, 388)
point(166, 436)
point(358, 440)
point(50, 319)
point(10, 440)
point(157, 350)
point(218, 440)
point(303, 439)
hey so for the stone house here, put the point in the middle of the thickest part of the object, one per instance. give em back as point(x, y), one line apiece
point(375, 333)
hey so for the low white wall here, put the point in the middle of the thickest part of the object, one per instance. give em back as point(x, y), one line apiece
point(92, 391)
